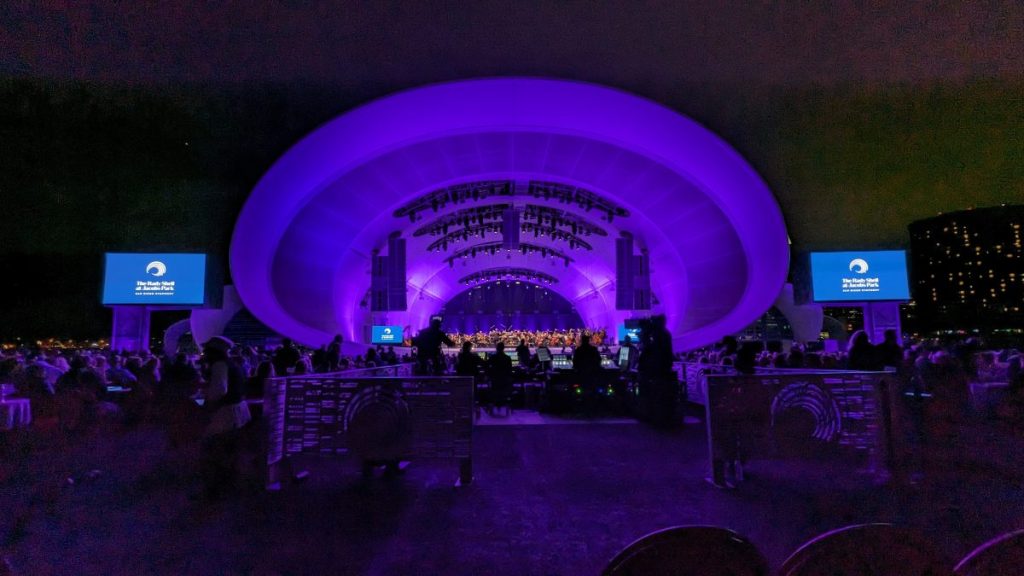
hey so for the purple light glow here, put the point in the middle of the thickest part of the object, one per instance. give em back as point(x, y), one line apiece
point(717, 242)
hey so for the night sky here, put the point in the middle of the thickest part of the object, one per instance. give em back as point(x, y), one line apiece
point(142, 126)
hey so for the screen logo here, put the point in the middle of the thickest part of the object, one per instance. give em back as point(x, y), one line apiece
point(858, 265)
point(859, 276)
point(154, 279)
point(386, 335)
point(156, 268)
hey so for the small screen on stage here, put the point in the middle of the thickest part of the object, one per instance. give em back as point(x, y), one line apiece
point(632, 333)
point(623, 357)
point(155, 279)
point(386, 335)
point(859, 276)
point(514, 356)
point(543, 355)
point(482, 355)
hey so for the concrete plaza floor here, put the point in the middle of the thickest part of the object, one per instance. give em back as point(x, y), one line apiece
point(546, 500)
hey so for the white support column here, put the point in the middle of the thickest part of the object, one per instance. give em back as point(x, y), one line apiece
point(879, 317)
point(131, 329)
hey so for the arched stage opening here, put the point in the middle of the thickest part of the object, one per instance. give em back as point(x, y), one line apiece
point(509, 305)
point(564, 179)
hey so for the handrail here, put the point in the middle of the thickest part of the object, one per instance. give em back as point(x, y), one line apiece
point(405, 369)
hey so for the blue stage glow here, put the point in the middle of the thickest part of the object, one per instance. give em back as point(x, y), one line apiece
point(633, 333)
point(154, 279)
point(386, 335)
point(859, 276)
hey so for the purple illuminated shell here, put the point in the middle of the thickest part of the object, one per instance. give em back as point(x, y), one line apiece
point(300, 254)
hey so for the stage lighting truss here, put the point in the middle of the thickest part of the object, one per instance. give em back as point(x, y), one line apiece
point(540, 221)
point(492, 249)
point(457, 194)
point(481, 232)
point(584, 199)
point(553, 218)
point(511, 274)
point(464, 235)
point(465, 218)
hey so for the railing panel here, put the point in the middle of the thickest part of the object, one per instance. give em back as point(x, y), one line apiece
point(405, 417)
point(845, 415)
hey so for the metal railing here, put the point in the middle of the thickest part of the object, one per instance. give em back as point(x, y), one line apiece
point(369, 416)
point(393, 370)
point(764, 415)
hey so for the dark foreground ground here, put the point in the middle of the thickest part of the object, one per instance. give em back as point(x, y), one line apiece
point(547, 500)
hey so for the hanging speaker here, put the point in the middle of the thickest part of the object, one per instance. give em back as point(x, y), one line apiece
point(396, 281)
point(510, 229)
point(379, 283)
point(624, 273)
point(641, 282)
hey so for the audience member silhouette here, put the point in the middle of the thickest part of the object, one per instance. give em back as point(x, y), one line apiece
point(523, 353)
point(499, 370)
point(286, 357)
point(860, 354)
point(655, 366)
point(334, 353)
point(889, 352)
point(429, 344)
point(586, 361)
point(468, 363)
point(224, 394)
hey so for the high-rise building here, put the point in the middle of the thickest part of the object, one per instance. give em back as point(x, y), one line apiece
point(967, 270)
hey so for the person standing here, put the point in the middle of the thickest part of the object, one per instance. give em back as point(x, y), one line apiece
point(655, 367)
point(334, 353)
point(860, 354)
point(228, 411)
point(286, 357)
point(499, 369)
point(523, 353)
point(889, 353)
point(586, 361)
point(428, 344)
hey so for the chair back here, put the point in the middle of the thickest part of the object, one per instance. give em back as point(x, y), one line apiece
point(1000, 555)
point(689, 551)
point(867, 550)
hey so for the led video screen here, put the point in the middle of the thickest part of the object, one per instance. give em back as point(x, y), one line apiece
point(633, 333)
point(386, 335)
point(154, 279)
point(859, 276)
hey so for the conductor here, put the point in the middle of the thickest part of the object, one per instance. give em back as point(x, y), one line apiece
point(429, 343)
